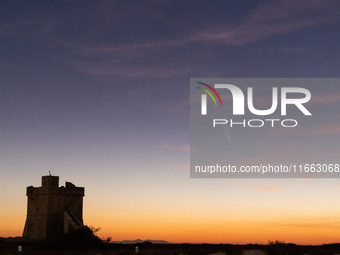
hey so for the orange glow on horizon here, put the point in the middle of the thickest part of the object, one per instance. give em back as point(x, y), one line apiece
point(202, 220)
point(202, 232)
point(214, 231)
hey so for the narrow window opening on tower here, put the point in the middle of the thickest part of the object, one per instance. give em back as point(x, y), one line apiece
point(37, 208)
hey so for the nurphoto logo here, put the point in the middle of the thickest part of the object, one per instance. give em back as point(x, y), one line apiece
point(239, 102)
point(263, 127)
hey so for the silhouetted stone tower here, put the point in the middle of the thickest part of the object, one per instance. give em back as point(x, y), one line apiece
point(53, 210)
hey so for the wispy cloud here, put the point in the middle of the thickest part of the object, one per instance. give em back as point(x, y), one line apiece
point(181, 106)
point(326, 98)
point(313, 222)
point(183, 148)
point(130, 48)
point(273, 18)
point(268, 189)
point(295, 149)
point(311, 131)
point(293, 50)
point(267, 20)
point(137, 71)
point(107, 51)
point(285, 151)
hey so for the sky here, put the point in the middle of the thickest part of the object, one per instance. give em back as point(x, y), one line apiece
point(97, 92)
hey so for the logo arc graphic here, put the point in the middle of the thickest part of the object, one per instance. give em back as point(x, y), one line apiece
point(208, 94)
point(213, 90)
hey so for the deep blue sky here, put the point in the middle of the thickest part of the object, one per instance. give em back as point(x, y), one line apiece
point(98, 92)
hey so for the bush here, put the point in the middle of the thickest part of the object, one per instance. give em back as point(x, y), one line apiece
point(84, 238)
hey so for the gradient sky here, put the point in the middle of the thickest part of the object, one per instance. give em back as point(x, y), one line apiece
point(97, 92)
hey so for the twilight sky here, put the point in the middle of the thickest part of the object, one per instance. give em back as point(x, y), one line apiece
point(97, 92)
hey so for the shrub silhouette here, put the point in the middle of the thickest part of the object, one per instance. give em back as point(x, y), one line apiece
point(84, 238)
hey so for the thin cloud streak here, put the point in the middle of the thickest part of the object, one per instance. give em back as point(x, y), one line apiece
point(268, 189)
point(136, 71)
point(311, 131)
point(127, 59)
point(327, 222)
point(326, 98)
point(183, 148)
point(277, 17)
point(293, 150)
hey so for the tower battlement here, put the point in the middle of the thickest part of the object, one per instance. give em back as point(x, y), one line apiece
point(49, 207)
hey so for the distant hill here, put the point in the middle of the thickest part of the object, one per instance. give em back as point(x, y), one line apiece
point(141, 241)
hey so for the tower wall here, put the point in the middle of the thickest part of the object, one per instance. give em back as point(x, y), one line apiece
point(46, 206)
